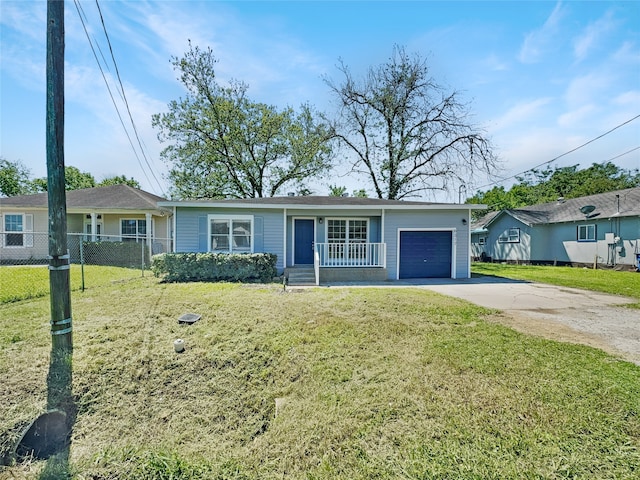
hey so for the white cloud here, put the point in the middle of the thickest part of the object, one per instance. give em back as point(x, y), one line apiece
point(520, 113)
point(578, 117)
point(588, 89)
point(591, 35)
point(628, 53)
point(630, 99)
point(538, 41)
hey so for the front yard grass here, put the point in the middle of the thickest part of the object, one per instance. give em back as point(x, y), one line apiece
point(371, 383)
point(607, 281)
point(24, 282)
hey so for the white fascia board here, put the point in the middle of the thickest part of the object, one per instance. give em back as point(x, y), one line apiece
point(293, 206)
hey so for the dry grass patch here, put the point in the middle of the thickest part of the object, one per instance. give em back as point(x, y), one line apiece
point(377, 383)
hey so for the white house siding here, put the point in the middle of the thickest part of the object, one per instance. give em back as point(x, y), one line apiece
point(191, 225)
point(429, 220)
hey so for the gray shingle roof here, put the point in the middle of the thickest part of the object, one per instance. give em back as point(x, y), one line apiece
point(311, 202)
point(305, 200)
point(117, 197)
point(619, 203)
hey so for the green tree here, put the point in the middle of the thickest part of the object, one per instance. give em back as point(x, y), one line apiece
point(336, 191)
point(119, 180)
point(409, 134)
point(226, 145)
point(74, 179)
point(14, 178)
point(549, 184)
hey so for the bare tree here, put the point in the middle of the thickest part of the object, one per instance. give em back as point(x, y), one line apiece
point(408, 134)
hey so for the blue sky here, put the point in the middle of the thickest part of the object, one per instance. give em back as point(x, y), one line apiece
point(542, 78)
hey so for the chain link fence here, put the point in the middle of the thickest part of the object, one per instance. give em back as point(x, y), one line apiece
point(95, 260)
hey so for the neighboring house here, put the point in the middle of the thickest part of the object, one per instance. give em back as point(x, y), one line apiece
point(602, 228)
point(110, 213)
point(332, 238)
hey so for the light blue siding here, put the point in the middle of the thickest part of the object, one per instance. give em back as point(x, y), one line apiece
point(429, 220)
point(270, 235)
point(509, 251)
point(558, 242)
point(191, 230)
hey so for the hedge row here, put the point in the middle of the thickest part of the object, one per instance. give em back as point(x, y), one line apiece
point(214, 267)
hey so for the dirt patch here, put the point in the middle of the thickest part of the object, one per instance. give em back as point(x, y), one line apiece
point(549, 324)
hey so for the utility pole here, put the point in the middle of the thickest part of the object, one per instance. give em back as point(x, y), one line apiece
point(59, 261)
point(50, 433)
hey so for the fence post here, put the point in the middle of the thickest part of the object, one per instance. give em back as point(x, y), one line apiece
point(81, 262)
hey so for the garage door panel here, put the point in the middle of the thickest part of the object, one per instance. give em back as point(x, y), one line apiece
point(425, 254)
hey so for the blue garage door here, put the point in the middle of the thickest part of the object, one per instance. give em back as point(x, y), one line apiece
point(425, 254)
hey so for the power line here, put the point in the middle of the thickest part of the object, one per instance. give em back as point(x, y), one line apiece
point(567, 153)
point(623, 154)
point(135, 129)
point(83, 17)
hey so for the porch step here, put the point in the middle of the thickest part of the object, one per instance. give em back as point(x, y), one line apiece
point(301, 276)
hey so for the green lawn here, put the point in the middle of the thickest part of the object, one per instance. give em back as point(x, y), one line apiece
point(372, 383)
point(606, 281)
point(24, 282)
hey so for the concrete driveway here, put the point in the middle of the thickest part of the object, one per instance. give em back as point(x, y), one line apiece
point(560, 313)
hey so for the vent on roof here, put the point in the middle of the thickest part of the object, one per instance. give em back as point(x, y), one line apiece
point(560, 200)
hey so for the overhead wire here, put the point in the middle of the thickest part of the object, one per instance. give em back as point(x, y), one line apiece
point(84, 21)
point(567, 153)
point(124, 97)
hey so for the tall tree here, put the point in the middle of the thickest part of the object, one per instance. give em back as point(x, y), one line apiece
point(119, 180)
point(14, 178)
point(226, 145)
point(408, 134)
point(74, 179)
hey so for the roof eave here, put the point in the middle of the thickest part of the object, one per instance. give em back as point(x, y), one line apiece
point(295, 206)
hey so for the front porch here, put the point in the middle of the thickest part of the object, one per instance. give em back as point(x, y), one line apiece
point(360, 254)
point(341, 262)
point(301, 276)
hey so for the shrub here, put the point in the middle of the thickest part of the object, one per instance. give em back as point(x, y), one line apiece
point(216, 267)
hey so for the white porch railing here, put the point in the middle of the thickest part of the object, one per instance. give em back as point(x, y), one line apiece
point(351, 254)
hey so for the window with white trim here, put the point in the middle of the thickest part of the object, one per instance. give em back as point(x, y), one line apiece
point(511, 235)
point(587, 233)
point(347, 233)
point(15, 227)
point(133, 230)
point(231, 234)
